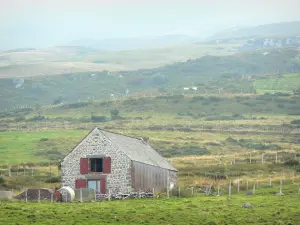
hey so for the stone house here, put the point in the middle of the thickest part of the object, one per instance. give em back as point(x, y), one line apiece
point(107, 161)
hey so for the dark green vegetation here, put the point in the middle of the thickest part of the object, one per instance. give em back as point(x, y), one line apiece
point(267, 209)
point(228, 74)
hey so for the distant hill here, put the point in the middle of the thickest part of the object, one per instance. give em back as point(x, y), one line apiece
point(274, 29)
point(135, 43)
point(73, 87)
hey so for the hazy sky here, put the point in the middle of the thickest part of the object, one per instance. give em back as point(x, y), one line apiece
point(38, 23)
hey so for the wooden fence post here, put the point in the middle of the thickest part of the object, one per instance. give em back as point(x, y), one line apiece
point(9, 171)
point(178, 192)
point(39, 195)
point(238, 186)
point(153, 193)
point(270, 181)
point(218, 189)
point(168, 194)
point(26, 195)
point(229, 189)
point(80, 194)
point(293, 178)
point(192, 191)
point(108, 194)
point(253, 188)
point(280, 189)
point(247, 184)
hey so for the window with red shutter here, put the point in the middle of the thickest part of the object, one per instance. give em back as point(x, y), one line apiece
point(84, 166)
point(80, 183)
point(107, 165)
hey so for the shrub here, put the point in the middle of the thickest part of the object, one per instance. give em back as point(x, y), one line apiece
point(292, 162)
point(53, 180)
point(99, 118)
point(44, 139)
point(19, 118)
point(295, 122)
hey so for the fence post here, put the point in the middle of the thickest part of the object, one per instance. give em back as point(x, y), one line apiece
point(39, 195)
point(26, 195)
point(51, 197)
point(9, 172)
point(95, 195)
point(218, 189)
point(293, 178)
point(80, 194)
point(153, 193)
point(229, 189)
point(280, 190)
point(179, 192)
point(256, 183)
point(253, 188)
point(108, 194)
point(276, 159)
point(247, 184)
point(238, 186)
point(270, 181)
point(192, 191)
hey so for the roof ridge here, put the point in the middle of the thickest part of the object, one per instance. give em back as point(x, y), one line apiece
point(125, 135)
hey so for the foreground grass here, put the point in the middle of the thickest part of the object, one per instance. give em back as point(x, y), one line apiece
point(268, 209)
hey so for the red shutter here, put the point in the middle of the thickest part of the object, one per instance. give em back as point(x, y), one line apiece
point(103, 185)
point(107, 165)
point(84, 166)
point(80, 183)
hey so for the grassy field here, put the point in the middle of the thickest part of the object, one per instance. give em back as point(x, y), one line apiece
point(286, 84)
point(175, 125)
point(32, 146)
point(267, 209)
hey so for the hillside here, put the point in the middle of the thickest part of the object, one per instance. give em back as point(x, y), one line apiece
point(135, 43)
point(205, 73)
point(275, 29)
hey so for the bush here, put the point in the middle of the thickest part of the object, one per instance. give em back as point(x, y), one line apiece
point(99, 118)
point(53, 180)
point(19, 118)
point(292, 162)
point(44, 139)
point(20, 182)
point(295, 122)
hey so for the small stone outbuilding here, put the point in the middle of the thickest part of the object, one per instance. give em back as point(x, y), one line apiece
point(107, 161)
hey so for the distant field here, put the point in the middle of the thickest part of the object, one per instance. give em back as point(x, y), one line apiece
point(286, 84)
point(60, 60)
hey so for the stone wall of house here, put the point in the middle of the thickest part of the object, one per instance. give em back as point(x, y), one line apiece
point(96, 143)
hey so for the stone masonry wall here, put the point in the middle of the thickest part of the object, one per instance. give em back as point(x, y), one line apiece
point(96, 143)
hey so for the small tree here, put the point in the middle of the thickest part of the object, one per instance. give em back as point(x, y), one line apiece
point(57, 100)
point(114, 113)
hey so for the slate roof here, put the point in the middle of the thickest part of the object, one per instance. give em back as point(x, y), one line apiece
point(138, 150)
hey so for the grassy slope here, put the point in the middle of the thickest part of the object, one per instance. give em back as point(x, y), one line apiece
point(197, 210)
point(20, 147)
point(287, 84)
